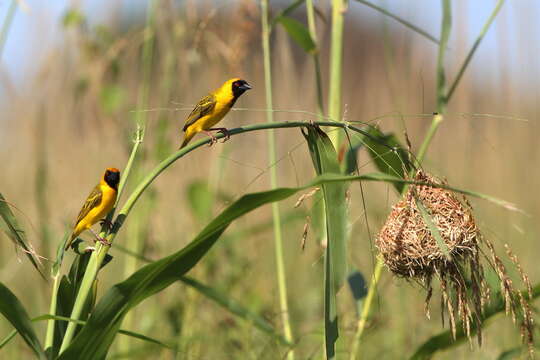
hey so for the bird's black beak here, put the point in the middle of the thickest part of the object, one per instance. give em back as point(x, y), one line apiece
point(245, 86)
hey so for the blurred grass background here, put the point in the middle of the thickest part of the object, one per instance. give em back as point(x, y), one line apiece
point(69, 111)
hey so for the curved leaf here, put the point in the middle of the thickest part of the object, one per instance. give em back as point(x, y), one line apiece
point(15, 313)
point(298, 32)
point(14, 231)
point(401, 21)
point(387, 154)
point(285, 12)
point(325, 161)
point(47, 317)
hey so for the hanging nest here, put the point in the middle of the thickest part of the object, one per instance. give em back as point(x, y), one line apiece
point(432, 232)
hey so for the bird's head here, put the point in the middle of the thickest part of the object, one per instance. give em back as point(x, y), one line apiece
point(112, 177)
point(238, 86)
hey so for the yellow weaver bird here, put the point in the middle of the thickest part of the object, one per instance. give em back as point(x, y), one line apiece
point(212, 108)
point(98, 204)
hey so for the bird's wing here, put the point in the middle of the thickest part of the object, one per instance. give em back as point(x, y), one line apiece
point(203, 107)
point(93, 200)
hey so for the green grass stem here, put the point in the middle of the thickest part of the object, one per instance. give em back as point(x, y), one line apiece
point(310, 10)
point(49, 336)
point(438, 117)
point(278, 240)
point(8, 20)
point(135, 238)
point(477, 42)
point(336, 62)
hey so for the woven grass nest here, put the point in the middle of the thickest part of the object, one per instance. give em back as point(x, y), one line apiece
point(408, 244)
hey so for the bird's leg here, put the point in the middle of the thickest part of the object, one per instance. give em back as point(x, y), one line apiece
point(213, 139)
point(100, 239)
point(107, 223)
point(224, 131)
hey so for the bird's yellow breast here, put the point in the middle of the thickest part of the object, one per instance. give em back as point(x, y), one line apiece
point(108, 198)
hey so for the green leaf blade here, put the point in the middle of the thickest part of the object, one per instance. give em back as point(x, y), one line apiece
point(299, 33)
point(10, 225)
point(388, 154)
point(325, 161)
point(15, 313)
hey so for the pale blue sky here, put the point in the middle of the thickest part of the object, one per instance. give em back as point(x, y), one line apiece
point(511, 43)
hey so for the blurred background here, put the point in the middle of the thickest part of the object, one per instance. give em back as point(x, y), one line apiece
point(75, 79)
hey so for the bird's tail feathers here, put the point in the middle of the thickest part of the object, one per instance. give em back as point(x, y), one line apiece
point(71, 238)
point(187, 139)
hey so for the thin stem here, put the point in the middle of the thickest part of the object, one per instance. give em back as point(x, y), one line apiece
point(139, 133)
point(7, 25)
point(336, 61)
point(474, 47)
point(437, 120)
point(362, 321)
point(442, 98)
point(278, 240)
point(49, 337)
point(135, 240)
point(445, 35)
point(310, 10)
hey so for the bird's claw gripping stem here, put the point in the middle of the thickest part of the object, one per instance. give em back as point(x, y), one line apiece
point(224, 131)
point(104, 241)
point(213, 139)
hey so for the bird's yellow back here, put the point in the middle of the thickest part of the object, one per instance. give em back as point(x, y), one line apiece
point(224, 99)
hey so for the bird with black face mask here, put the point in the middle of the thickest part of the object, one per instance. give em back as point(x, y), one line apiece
point(98, 204)
point(212, 108)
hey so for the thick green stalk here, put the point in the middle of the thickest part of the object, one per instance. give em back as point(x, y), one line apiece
point(99, 254)
point(278, 240)
point(90, 275)
point(336, 61)
point(49, 337)
point(320, 214)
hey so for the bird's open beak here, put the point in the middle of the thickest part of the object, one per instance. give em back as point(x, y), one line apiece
point(245, 86)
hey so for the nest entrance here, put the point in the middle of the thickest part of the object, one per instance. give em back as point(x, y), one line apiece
point(408, 244)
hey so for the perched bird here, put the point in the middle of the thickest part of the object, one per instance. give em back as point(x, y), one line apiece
point(212, 108)
point(98, 204)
